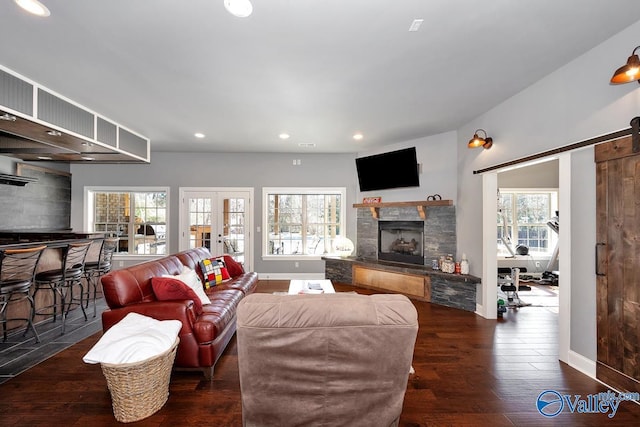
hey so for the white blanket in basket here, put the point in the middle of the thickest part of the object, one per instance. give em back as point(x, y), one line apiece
point(133, 339)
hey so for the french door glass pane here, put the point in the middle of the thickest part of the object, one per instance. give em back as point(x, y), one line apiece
point(200, 222)
point(234, 228)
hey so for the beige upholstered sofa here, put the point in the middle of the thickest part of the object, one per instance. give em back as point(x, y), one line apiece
point(333, 359)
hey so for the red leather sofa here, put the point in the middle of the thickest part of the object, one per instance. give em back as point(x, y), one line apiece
point(203, 337)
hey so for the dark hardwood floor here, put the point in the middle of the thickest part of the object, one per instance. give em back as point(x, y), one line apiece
point(469, 371)
point(20, 353)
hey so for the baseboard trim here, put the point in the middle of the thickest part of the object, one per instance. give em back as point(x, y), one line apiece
point(582, 364)
point(290, 276)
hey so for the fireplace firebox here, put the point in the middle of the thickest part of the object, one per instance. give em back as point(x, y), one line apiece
point(401, 241)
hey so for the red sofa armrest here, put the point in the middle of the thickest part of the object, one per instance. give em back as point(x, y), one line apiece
point(181, 310)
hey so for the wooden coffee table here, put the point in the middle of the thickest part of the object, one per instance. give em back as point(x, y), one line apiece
point(317, 286)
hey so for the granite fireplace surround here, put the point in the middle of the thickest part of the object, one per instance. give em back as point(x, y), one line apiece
point(452, 290)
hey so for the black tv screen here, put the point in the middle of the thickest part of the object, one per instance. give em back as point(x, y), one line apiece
point(394, 169)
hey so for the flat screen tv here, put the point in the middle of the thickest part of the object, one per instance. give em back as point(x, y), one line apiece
point(395, 169)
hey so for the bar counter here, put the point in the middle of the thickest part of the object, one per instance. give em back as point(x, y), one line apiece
point(12, 239)
point(56, 241)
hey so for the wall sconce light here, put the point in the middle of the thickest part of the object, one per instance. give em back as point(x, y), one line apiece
point(628, 72)
point(477, 141)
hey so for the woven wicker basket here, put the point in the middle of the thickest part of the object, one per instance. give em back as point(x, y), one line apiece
point(140, 389)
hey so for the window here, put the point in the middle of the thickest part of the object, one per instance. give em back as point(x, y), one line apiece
point(302, 222)
point(138, 218)
point(522, 220)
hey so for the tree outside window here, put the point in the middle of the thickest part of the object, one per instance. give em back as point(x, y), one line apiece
point(302, 222)
point(523, 216)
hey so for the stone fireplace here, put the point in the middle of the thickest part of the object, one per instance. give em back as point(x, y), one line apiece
point(368, 269)
point(438, 231)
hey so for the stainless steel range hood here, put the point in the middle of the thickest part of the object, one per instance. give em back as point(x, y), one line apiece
point(36, 124)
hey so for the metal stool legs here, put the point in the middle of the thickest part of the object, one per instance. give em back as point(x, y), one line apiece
point(94, 270)
point(61, 282)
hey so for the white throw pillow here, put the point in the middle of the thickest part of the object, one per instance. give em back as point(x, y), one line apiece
point(191, 279)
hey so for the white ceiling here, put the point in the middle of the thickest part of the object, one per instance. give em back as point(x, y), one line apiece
point(318, 69)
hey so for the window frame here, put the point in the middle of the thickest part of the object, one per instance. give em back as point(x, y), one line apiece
point(89, 219)
point(267, 191)
point(514, 225)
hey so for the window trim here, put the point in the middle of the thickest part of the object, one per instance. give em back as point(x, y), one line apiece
point(266, 191)
point(553, 238)
point(87, 214)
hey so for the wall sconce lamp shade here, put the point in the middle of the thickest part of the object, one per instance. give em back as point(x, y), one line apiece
point(477, 141)
point(628, 72)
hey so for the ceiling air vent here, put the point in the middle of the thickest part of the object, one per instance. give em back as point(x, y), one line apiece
point(132, 143)
point(59, 112)
point(106, 132)
point(15, 93)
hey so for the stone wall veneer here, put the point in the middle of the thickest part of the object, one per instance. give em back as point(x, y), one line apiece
point(439, 230)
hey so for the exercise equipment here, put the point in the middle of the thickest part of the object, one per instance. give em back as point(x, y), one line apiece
point(505, 236)
point(509, 281)
point(548, 276)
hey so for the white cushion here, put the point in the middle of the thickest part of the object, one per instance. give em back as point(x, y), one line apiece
point(191, 279)
point(133, 339)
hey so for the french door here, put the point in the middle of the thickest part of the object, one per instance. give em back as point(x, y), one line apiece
point(219, 219)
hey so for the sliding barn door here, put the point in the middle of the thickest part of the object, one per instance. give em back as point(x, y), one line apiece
point(618, 264)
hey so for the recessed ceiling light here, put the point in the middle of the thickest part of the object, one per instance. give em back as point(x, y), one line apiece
point(53, 133)
point(44, 158)
point(34, 7)
point(358, 136)
point(88, 158)
point(8, 117)
point(198, 135)
point(239, 8)
point(284, 135)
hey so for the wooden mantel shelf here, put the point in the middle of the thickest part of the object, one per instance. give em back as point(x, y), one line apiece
point(420, 205)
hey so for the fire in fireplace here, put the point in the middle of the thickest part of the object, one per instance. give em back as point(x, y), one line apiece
point(401, 241)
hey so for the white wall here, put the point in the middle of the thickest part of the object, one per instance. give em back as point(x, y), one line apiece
point(437, 155)
point(540, 175)
point(574, 103)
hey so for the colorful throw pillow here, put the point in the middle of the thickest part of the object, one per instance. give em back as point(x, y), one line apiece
point(191, 279)
point(234, 268)
point(169, 288)
point(214, 271)
point(223, 268)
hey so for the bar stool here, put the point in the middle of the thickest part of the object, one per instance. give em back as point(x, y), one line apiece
point(62, 281)
point(17, 272)
point(94, 270)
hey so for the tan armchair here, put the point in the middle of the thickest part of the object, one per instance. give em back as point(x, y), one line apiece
point(330, 359)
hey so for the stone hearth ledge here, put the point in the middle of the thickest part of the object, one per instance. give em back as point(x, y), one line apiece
point(450, 290)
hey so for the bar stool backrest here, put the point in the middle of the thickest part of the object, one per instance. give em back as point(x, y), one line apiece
point(109, 246)
point(74, 256)
point(19, 264)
